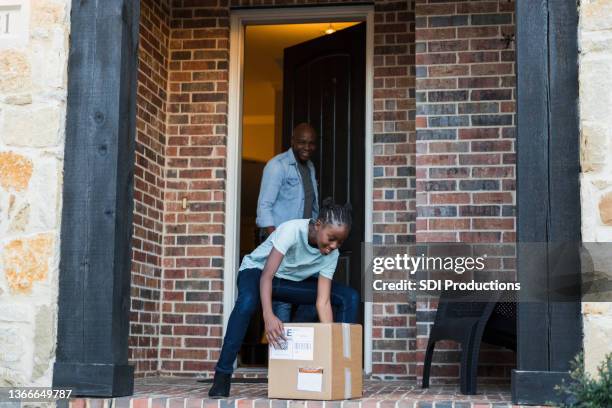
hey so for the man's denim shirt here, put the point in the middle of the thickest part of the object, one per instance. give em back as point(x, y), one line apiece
point(281, 196)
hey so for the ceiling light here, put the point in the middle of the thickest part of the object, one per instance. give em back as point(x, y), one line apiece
point(330, 29)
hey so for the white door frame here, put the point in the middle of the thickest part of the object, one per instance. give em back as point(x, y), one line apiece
point(238, 20)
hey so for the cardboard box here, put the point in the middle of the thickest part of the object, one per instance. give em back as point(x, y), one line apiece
point(321, 361)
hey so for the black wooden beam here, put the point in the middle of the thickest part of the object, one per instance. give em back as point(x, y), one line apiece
point(94, 292)
point(548, 196)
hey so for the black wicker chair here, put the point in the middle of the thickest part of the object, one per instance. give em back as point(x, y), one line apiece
point(469, 323)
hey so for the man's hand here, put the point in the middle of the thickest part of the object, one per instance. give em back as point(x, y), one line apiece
point(275, 332)
point(270, 230)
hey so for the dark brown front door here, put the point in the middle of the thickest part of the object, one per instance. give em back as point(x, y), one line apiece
point(324, 85)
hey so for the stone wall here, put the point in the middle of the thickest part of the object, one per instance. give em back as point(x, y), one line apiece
point(33, 85)
point(595, 42)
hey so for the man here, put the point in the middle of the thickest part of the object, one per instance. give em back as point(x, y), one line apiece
point(289, 191)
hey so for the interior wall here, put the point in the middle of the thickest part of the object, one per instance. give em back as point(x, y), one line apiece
point(149, 186)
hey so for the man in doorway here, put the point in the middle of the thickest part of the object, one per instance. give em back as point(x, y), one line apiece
point(289, 191)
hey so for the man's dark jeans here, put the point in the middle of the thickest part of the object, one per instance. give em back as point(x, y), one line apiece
point(344, 299)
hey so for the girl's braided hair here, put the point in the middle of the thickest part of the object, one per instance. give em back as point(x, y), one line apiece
point(335, 214)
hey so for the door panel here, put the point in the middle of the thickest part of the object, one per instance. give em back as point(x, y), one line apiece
point(324, 85)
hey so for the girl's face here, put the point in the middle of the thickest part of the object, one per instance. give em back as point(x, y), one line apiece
point(330, 237)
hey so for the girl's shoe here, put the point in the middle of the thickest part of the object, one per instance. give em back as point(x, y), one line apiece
point(221, 385)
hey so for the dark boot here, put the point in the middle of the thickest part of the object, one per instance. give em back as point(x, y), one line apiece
point(221, 385)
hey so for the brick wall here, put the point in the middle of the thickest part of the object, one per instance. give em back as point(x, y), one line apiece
point(194, 153)
point(195, 172)
point(465, 142)
point(149, 186)
point(455, 169)
point(393, 325)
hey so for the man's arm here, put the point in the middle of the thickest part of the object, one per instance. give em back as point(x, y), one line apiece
point(324, 309)
point(271, 182)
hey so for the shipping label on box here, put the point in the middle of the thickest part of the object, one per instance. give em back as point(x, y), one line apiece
point(310, 379)
point(299, 344)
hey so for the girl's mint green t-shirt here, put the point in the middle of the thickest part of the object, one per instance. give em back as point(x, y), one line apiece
point(300, 260)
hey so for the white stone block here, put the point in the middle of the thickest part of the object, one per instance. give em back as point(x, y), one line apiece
point(597, 335)
point(595, 15)
point(595, 141)
point(49, 61)
point(43, 194)
point(32, 125)
point(588, 205)
point(595, 42)
point(16, 313)
point(595, 83)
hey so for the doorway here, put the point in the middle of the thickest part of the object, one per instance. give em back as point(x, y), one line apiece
point(266, 113)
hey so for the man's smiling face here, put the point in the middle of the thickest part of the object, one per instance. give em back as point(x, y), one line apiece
point(304, 143)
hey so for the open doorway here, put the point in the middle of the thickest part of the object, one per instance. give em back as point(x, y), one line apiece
point(293, 73)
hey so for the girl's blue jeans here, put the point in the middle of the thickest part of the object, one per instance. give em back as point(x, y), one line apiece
point(344, 299)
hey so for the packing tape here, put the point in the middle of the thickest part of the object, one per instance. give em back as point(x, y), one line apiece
point(347, 383)
point(346, 340)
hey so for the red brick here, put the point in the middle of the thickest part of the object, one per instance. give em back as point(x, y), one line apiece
point(423, 160)
point(448, 70)
point(481, 7)
point(475, 32)
point(442, 83)
point(446, 46)
point(493, 172)
point(486, 82)
point(436, 59)
point(492, 198)
point(434, 9)
point(479, 133)
point(479, 237)
point(449, 224)
point(488, 44)
point(493, 224)
point(471, 159)
point(491, 69)
point(436, 236)
point(449, 198)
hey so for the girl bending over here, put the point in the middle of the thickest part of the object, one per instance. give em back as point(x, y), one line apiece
point(282, 268)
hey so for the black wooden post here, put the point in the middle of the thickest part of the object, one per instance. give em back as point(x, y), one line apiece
point(94, 292)
point(548, 194)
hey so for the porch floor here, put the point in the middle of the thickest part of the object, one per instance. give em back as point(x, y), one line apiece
point(172, 392)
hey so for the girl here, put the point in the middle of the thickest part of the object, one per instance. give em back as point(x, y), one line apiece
point(279, 269)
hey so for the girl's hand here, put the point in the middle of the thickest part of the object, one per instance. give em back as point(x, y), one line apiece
point(324, 308)
point(274, 330)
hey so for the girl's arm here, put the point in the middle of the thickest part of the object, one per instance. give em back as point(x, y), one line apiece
point(324, 308)
point(274, 326)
